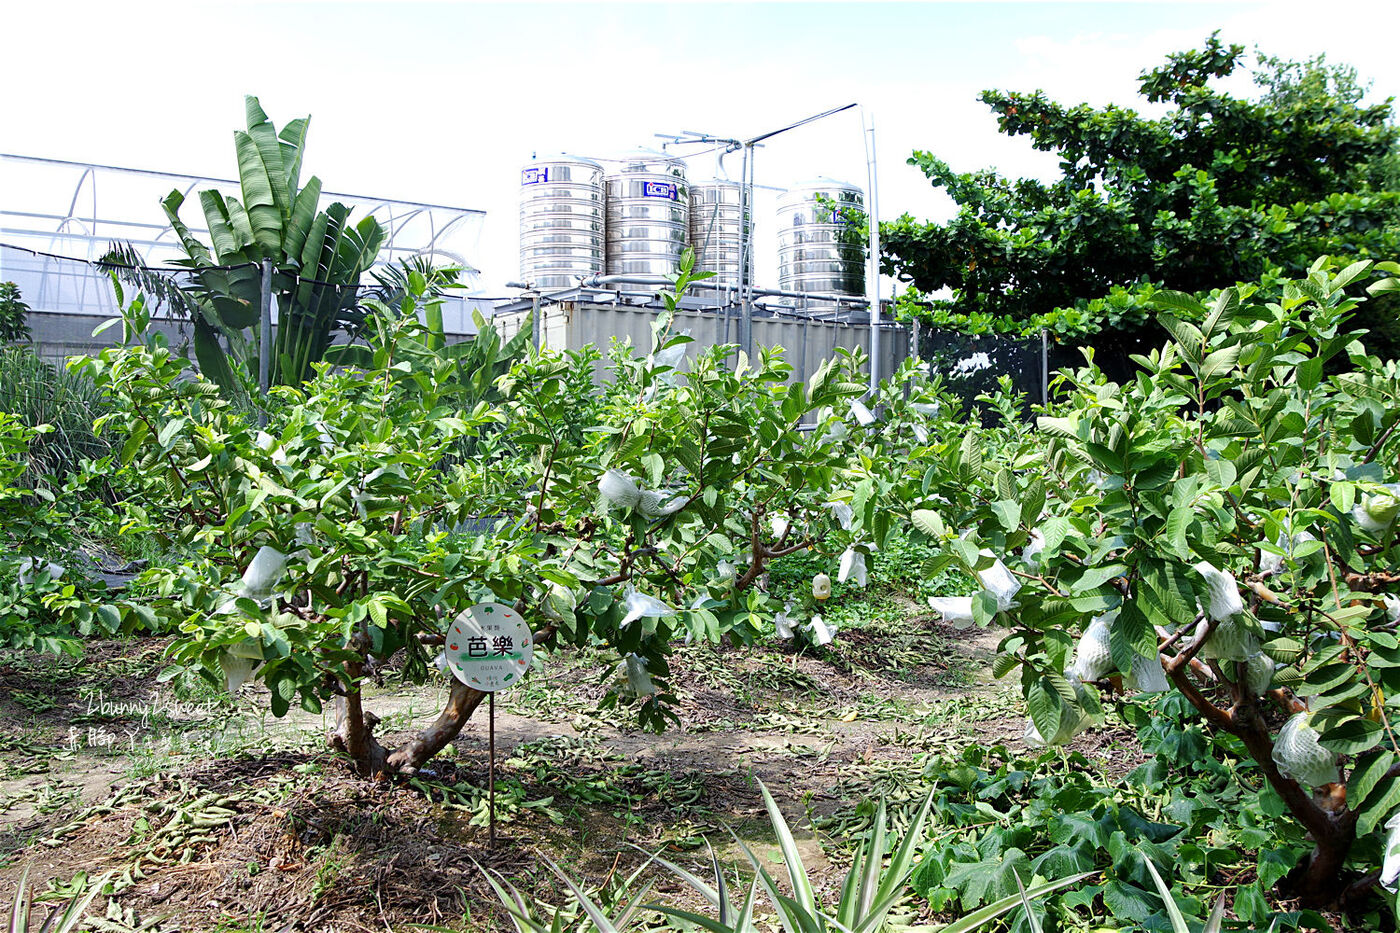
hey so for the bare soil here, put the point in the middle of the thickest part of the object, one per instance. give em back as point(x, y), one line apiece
point(206, 814)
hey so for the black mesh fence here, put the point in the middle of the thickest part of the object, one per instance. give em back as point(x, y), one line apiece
point(972, 366)
point(1113, 351)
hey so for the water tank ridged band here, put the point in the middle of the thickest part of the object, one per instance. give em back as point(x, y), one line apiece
point(561, 221)
point(648, 209)
point(815, 251)
point(716, 231)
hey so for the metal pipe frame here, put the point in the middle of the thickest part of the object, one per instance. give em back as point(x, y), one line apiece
point(90, 230)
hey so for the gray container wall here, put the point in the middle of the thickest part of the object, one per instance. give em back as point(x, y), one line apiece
point(648, 210)
point(562, 221)
point(814, 249)
point(807, 341)
point(56, 336)
point(716, 231)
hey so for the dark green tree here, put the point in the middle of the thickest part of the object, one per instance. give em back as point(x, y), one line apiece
point(14, 328)
point(1217, 189)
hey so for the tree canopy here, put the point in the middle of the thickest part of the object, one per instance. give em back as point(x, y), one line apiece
point(1216, 189)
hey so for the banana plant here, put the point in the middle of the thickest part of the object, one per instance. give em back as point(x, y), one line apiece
point(317, 260)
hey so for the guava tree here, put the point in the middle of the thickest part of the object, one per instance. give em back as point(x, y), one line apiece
point(1223, 526)
point(28, 535)
point(14, 326)
point(348, 532)
point(311, 544)
point(47, 603)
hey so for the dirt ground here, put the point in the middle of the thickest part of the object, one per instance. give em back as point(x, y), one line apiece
point(205, 813)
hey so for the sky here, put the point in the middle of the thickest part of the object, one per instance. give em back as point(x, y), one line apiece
point(444, 102)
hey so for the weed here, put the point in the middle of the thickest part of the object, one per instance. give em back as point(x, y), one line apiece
point(252, 923)
point(331, 863)
point(34, 702)
point(41, 394)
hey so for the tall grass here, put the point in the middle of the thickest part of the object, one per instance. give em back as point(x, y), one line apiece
point(38, 393)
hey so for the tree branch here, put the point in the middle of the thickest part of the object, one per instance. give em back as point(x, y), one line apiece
point(1372, 582)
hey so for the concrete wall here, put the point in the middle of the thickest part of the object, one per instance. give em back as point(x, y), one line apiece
point(57, 336)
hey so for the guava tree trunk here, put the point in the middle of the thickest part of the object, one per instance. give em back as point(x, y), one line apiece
point(1317, 878)
point(462, 701)
point(354, 728)
point(354, 732)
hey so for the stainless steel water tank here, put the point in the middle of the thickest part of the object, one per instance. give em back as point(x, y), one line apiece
point(648, 214)
point(716, 231)
point(815, 248)
point(561, 221)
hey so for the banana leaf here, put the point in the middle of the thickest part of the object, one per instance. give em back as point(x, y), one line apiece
point(264, 137)
point(259, 196)
point(299, 225)
point(253, 114)
point(314, 242)
point(228, 244)
point(433, 319)
point(293, 142)
point(243, 225)
point(213, 361)
point(193, 248)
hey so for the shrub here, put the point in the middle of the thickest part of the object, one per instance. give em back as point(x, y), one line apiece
point(37, 393)
point(13, 326)
point(1224, 526)
point(355, 543)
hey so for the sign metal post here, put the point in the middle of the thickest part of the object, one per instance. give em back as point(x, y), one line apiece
point(491, 768)
point(489, 648)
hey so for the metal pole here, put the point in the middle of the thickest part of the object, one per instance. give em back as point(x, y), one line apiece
point(806, 326)
point(536, 323)
point(265, 338)
point(1044, 367)
point(873, 219)
point(745, 247)
point(746, 185)
point(491, 768)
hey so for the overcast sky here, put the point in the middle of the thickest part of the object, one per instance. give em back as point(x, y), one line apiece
point(443, 102)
